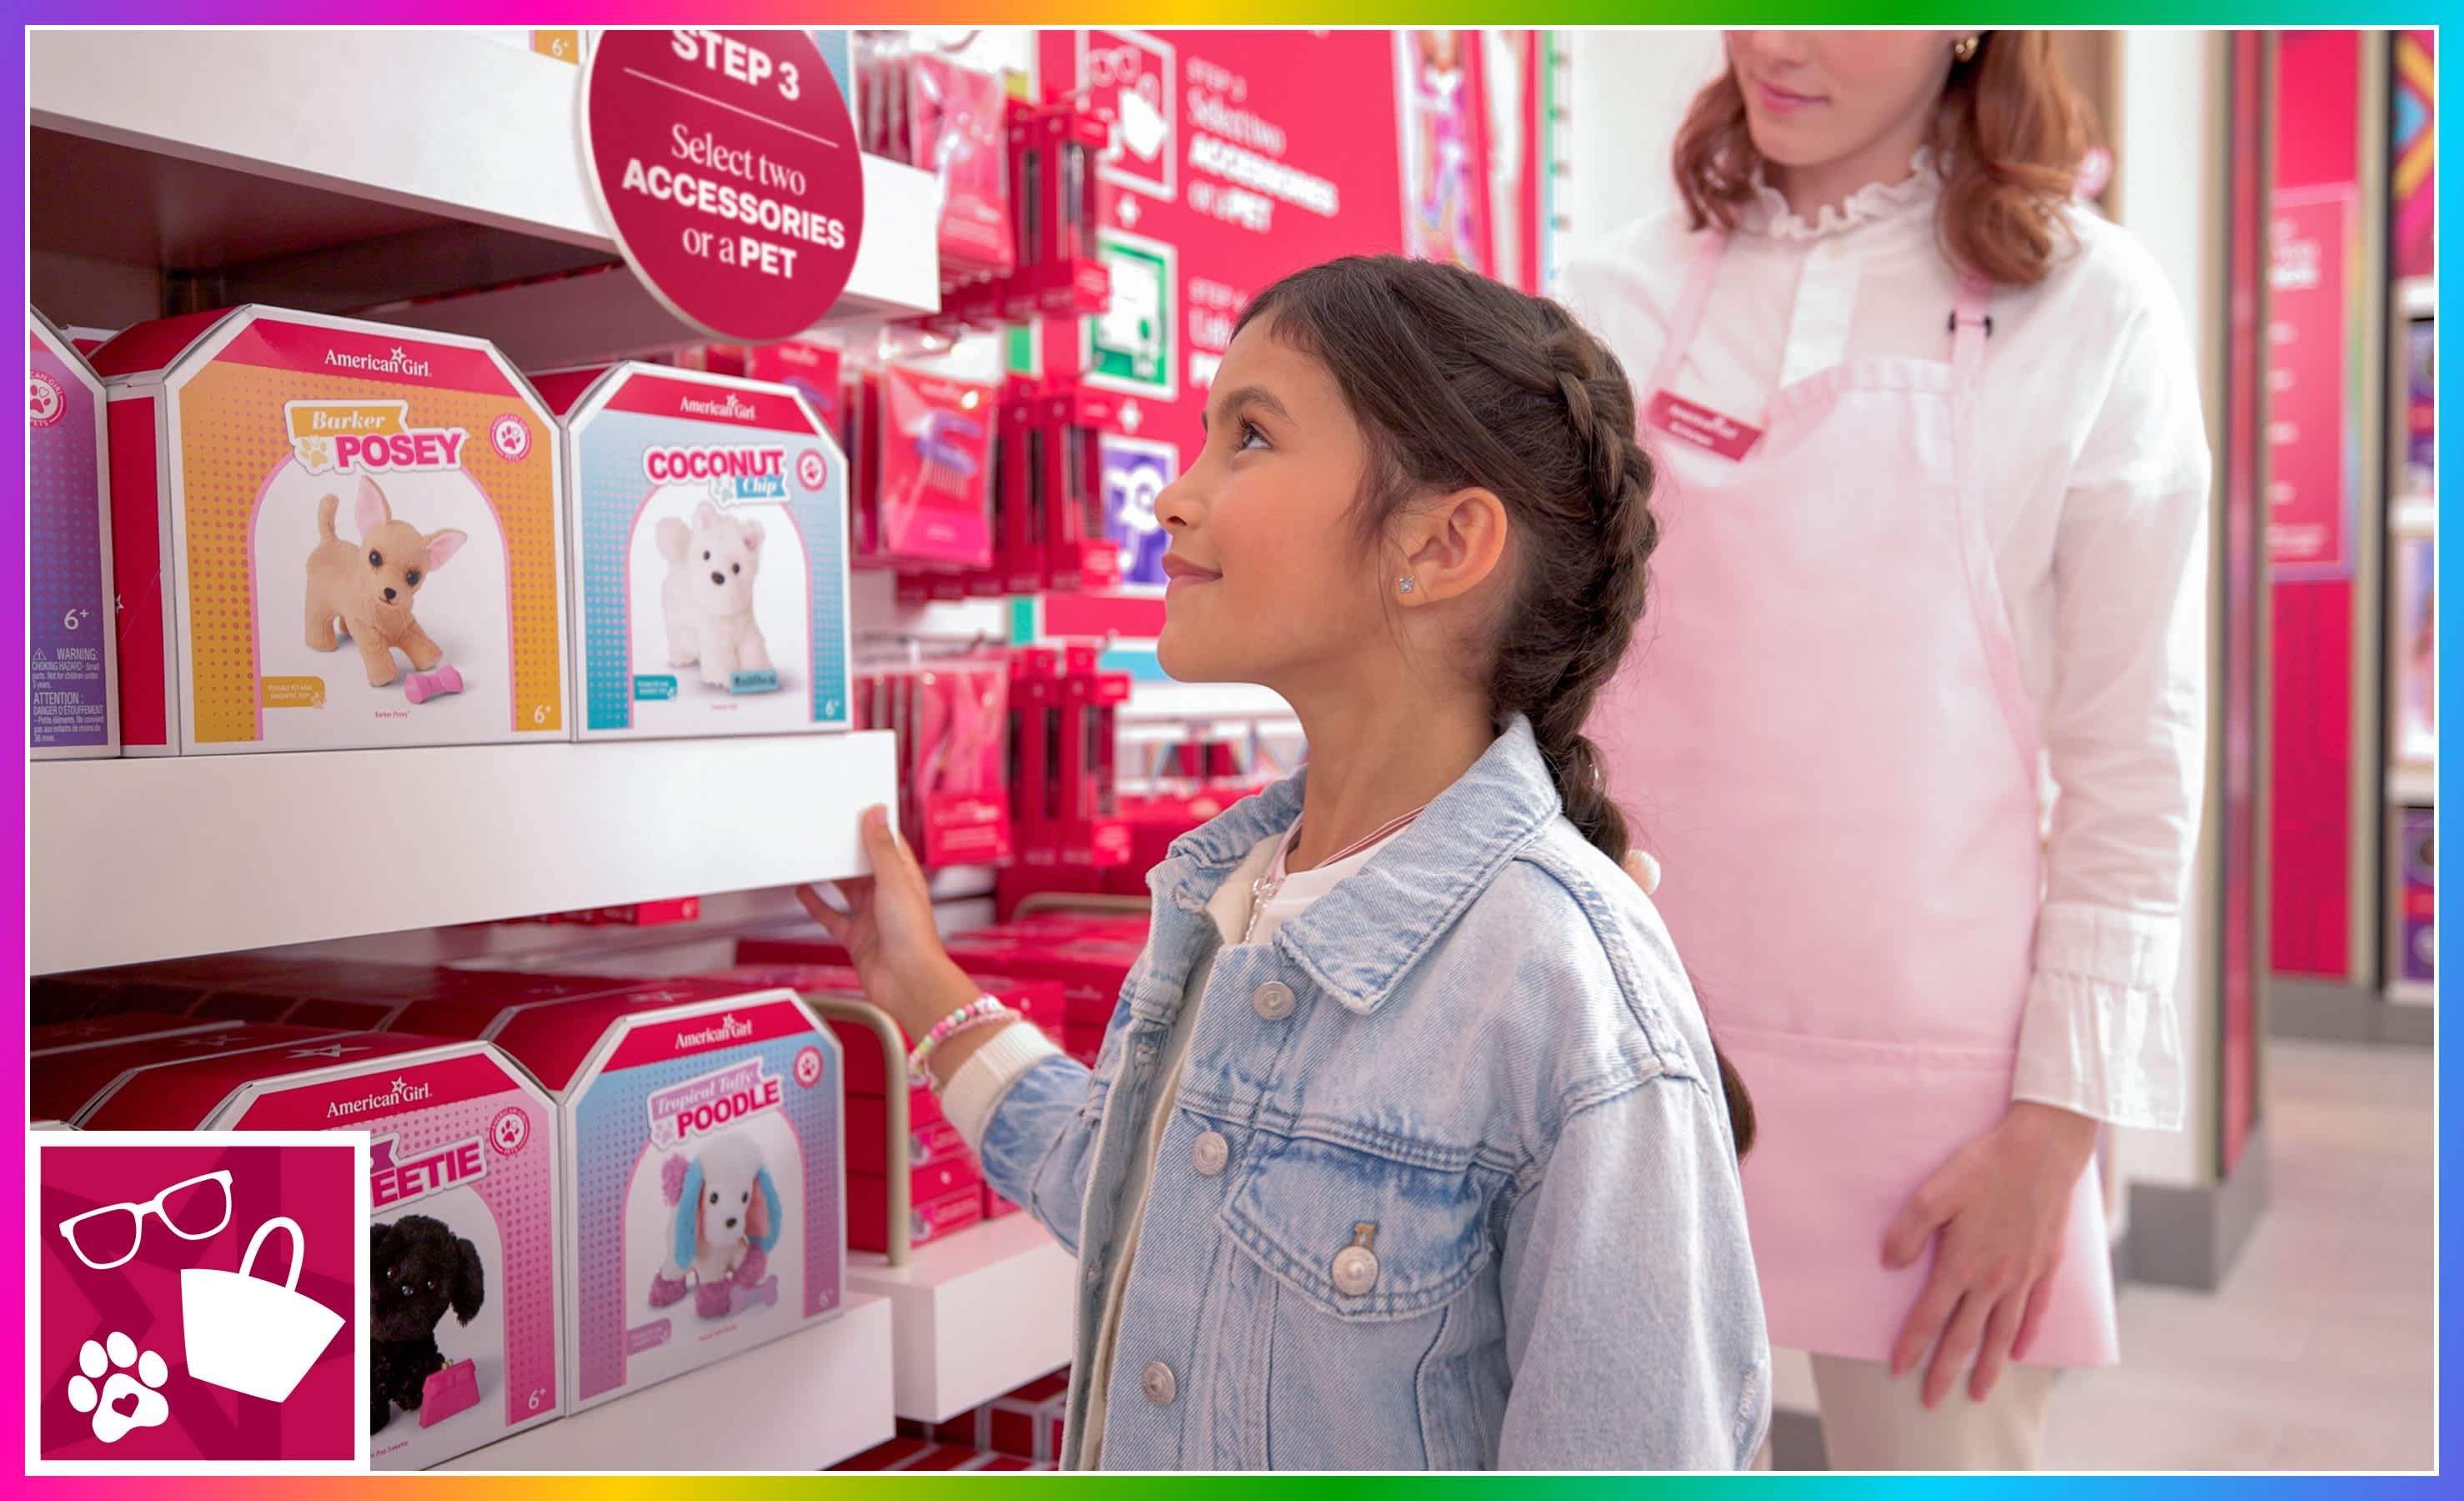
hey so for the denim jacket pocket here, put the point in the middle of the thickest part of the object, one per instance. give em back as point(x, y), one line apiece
point(1359, 1236)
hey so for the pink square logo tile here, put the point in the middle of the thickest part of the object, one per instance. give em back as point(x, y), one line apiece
point(196, 1301)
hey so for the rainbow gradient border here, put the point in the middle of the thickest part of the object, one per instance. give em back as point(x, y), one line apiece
point(2290, 14)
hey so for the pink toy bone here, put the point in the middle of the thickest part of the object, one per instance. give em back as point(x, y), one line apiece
point(421, 687)
point(452, 1390)
point(766, 1293)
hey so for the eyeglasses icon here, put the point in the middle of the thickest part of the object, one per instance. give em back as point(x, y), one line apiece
point(183, 1208)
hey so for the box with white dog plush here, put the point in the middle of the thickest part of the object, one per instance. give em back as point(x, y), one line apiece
point(330, 534)
point(464, 1238)
point(708, 538)
point(704, 1175)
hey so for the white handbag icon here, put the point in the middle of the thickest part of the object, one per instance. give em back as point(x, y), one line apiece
point(252, 1337)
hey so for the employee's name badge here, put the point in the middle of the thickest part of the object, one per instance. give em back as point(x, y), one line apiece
point(1689, 422)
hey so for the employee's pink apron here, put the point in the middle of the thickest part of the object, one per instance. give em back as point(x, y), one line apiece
point(1822, 731)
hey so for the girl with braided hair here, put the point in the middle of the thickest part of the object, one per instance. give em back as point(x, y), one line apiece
point(1407, 1147)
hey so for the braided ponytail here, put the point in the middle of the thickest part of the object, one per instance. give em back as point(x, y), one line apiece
point(1459, 381)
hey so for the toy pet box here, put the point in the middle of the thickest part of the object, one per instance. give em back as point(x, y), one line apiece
point(704, 1175)
point(68, 1080)
point(330, 534)
point(464, 1243)
point(709, 544)
point(71, 665)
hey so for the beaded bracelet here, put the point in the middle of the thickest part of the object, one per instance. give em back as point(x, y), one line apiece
point(978, 1012)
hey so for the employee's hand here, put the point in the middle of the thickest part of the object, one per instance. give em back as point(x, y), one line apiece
point(887, 929)
point(1995, 1215)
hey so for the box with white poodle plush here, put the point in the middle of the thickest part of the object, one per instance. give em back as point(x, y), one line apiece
point(329, 535)
point(464, 1238)
point(708, 538)
point(704, 1175)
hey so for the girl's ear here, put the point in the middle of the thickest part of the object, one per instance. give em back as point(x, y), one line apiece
point(1450, 546)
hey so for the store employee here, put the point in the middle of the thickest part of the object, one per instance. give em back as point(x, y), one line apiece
point(1934, 526)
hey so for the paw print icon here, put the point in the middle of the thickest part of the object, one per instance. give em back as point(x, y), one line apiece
point(509, 1131)
point(131, 1394)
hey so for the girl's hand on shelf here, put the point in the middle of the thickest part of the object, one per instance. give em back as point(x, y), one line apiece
point(889, 932)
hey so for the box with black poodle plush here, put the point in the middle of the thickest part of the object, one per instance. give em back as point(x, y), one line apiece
point(463, 1244)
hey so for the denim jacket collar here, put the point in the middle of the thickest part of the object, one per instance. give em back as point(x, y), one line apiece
point(1362, 937)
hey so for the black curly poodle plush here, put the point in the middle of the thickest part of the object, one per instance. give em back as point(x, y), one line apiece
point(417, 1269)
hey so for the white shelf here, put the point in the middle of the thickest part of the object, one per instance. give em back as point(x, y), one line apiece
point(1186, 701)
point(2417, 297)
point(972, 1316)
point(351, 165)
point(872, 598)
point(155, 858)
point(2412, 992)
point(803, 1402)
point(2414, 514)
point(2412, 785)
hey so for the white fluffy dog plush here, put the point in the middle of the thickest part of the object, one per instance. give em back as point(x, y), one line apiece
point(708, 597)
point(727, 1221)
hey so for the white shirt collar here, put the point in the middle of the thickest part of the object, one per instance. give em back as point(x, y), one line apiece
point(1875, 203)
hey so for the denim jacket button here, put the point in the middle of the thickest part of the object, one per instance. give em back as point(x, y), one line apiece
point(1209, 1153)
point(1356, 1270)
point(1156, 1381)
point(1272, 1001)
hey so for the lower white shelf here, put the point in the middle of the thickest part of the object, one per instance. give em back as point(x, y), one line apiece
point(803, 1402)
point(143, 859)
point(975, 1315)
point(2412, 992)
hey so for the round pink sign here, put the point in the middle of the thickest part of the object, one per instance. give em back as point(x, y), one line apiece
point(725, 167)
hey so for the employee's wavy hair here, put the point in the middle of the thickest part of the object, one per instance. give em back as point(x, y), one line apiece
point(1459, 382)
point(2011, 135)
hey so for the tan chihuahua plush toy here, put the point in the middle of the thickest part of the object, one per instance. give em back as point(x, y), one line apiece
point(366, 587)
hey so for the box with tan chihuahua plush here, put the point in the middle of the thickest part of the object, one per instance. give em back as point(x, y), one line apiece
point(330, 534)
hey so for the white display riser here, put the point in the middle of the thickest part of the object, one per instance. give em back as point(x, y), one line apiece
point(142, 859)
point(318, 190)
point(802, 1402)
point(972, 1316)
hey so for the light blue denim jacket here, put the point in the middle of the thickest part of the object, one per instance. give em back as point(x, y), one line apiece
point(1477, 1060)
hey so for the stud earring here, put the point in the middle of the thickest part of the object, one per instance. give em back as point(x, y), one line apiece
point(1406, 584)
point(1964, 49)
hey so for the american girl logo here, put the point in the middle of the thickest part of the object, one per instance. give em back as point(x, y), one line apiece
point(401, 1093)
point(397, 363)
point(367, 437)
point(701, 1106)
point(728, 1028)
point(727, 405)
point(392, 1180)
